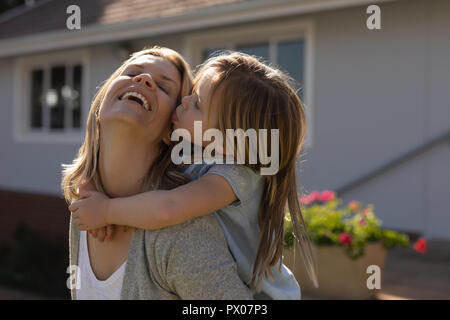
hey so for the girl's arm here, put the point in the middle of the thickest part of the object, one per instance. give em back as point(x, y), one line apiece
point(154, 209)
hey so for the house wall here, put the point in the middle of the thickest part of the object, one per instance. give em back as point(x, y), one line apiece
point(30, 167)
point(377, 94)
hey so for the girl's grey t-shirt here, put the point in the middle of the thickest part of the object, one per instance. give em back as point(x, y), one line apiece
point(239, 222)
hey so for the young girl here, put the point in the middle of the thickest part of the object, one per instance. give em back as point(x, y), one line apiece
point(231, 91)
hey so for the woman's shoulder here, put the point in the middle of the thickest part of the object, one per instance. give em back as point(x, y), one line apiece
point(186, 234)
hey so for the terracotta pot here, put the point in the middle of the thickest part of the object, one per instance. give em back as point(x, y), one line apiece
point(339, 276)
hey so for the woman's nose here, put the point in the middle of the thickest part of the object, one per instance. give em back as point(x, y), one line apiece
point(146, 80)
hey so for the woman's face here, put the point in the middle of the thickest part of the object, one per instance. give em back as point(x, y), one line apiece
point(143, 96)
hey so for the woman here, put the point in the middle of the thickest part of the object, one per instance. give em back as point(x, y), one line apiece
point(124, 153)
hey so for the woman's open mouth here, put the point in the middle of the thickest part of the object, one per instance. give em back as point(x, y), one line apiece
point(137, 97)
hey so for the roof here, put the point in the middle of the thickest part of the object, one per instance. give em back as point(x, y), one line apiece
point(43, 27)
point(51, 15)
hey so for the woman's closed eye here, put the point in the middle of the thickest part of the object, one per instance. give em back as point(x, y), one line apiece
point(164, 89)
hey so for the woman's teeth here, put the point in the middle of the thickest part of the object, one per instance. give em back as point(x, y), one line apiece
point(132, 95)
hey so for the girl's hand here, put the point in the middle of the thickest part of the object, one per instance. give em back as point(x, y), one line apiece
point(90, 210)
point(103, 233)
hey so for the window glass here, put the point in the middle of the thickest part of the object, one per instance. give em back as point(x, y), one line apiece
point(290, 59)
point(54, 97)
point(208, 53)
point(37, 79)
point(76, 97)
point(259, 50)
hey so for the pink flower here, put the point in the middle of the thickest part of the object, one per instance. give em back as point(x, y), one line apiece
point(305, 200)
point(326, 196)
point(345, 238)
point(365, 212)
point(309, 198)
point(420, 245)
point(362, 222)
point(354, 205)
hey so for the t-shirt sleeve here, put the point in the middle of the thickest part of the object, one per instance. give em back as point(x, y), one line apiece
point(242, 180)
point(199, 265)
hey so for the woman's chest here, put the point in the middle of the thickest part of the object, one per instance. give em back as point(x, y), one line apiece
point(107, 256)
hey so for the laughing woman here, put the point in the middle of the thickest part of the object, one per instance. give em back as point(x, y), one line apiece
point(125, 152)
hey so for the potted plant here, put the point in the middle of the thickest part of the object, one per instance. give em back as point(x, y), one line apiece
point(346, 240)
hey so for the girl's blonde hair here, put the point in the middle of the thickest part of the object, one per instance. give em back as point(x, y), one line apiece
point(162, 174)
point(247, 94)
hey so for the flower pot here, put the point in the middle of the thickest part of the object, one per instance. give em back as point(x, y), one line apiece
point(339, 276)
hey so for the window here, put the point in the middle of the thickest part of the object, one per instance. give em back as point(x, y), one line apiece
point(51, 100)
point(288, 56)
point(289, 46)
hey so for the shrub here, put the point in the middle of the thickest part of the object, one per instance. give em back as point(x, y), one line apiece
point(351, 226)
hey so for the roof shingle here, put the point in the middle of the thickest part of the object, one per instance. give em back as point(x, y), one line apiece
point(51, 15)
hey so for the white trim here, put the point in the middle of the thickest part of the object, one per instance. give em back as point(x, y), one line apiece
point(215, 16)
point(22, 67)
point(309, 83)
point(272, 33)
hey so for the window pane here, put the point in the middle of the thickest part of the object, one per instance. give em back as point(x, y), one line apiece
point(259, 50)
point(208, 53)
point(37, 78)
point(54, 97)
point(76, 97)
point(290, 59)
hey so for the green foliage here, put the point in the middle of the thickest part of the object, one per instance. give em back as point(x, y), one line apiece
point(351, 227)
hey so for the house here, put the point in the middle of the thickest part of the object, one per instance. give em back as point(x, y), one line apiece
point(377, 99)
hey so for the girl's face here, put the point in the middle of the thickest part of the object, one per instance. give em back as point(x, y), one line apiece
point(195, 107)
point(143, 96)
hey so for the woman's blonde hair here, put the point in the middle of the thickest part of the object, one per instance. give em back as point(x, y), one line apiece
point(245, 93)
point(162, 174)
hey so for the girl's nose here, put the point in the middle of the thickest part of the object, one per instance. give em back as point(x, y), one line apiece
point(146, 80)
point(185, 102)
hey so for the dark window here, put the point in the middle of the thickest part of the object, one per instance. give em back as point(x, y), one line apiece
point(208, 53)
point(259, 50)
point(37, 79)
point(76, 97)
point(291, 60)
point(54, 97)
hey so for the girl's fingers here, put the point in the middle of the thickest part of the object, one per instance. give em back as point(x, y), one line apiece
point(94, 232)
point(101, 234)
point(109, 232)
point(86, 188)
point(73, 207)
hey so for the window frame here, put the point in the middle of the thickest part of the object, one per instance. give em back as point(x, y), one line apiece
point(23, 132)
point(272, 33)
